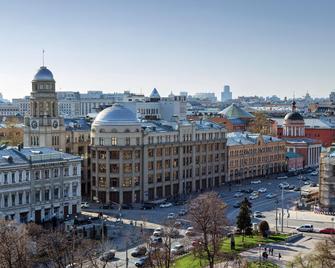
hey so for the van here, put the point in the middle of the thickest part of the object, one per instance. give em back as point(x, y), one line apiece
point(305, 228)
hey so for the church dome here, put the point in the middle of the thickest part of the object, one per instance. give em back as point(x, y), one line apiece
point(117, 114)
point(44, 74)
point(294, 116)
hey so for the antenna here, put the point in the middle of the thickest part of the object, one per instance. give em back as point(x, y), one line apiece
point(43, 57)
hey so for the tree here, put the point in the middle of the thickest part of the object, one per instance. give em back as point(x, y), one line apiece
point(264, 228)
point(207, 212)
point(261, 124)
point(13, 133)
point(243, 219)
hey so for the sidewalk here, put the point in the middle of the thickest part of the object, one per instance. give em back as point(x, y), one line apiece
point(309, 216)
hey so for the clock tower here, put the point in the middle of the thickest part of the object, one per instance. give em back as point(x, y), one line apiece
point(43, 127)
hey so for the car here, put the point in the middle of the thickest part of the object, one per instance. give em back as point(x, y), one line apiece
point(173, 233)
point(189, 231)
point(237, 205)
point(252, 197)
point(108, 256)
point(72, 265)
point(139, 251)
point(166, 205)
point(256, 182)
point(262, 190)
point(291, 187)
point(313, 184)
point(327, 231)
point(283, 185)
point(270, 195)
point(238, 194)
point(178, 249)
point(258, 214)
point(305, 228)
point(177, 224)
point(182, 212)
point(126, 206)
point(195, 243)
point(296, 189)
point(84, 205)
point(314, 173)
point(307, 182)
point(305, 178)
point(106, 206)
point(156, 240)
point(171, 216)
point(147, 206)
point(141, 262)
point(158, 233)
point(282, 178)
point(255, 193)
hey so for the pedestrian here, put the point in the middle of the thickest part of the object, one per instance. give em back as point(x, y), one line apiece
point(272, 251)
point(279, 256)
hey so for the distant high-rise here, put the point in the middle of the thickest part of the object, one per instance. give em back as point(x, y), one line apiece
point(226, 94)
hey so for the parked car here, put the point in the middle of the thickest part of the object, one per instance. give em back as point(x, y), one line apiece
point(262, 190)
point(307, 182)
point(126, 206)
point(327, 231)
point(142, 261)
point(252, 197)
point(106, 206)
point(306, 228)
point(173, 233)
point(177, 224)
point(156, 240)
point(178, 249)
point(182, 212)
point(296, 189)
point(166, 205)
point(108, 256)
point(255, 193)
point(158, 232)
point(237, 205)
point(189, 231)
point(146, 206)
point(72, 265)
point(238, 194)
point(284, 185)
point(139, 251)
point(270, 195)
point(313, 184)
point(314, 173)
point(84, 205)
point(171, 216)
point(282, 178)
point(258, 214)
point(256, 182)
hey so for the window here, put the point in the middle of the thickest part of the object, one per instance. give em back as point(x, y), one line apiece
point(127, 182)
point(102, 182)
point(56, 193)
point(150, 152)
point(74, 189)
point(6, 201)
point(55, 172)
point(127, 168)
point(127, 141)
point(136, 180)
point(5, 178)
point(20, 198)
point(159, 152)
point(159, 164)
point(114, 155)
point(46, 174)
point(101, 141)
point(137, 141)
point(102, 154)
point(37, 196)
point(27, 198)
point(114, 182)
point(114, 168)
point(137, 167)
point(127, 155)
point(47, 195)
point(75, 171)
point(13, 177)
point(66, 191)
point(102, 168)
point(137, 154)
point(114, 141)
point(150, 165)
point(27, 175)
point(37, 175)
point(66, 171)
point(20, 176)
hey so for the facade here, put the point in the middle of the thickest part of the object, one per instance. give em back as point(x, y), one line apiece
point(226, 94)
point(68, 104)
point(205, 96)
point(327, 182)
point(23, 105)
point(253, 155)
point(38, 183)
point(43, 126)
point(295, 161)
point(134, 161)
point(8, 109)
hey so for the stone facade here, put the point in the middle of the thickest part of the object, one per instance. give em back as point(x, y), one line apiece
point(327, 182)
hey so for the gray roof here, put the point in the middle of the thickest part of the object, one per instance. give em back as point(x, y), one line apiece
point(233, 111)
point(116, 114)
point(245, 138)
point(154, 94)
point(44, 74)
point(309, 123)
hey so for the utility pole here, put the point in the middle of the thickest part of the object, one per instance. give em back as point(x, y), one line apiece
point(282, 209)
point(276, 202)
point(127, 260)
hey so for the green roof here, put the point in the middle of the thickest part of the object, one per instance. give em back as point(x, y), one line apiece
point(233, 111)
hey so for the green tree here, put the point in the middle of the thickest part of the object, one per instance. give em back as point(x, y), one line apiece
point(264, 228)
point(243, 219)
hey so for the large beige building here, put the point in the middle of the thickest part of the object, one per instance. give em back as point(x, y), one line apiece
point(327, 181)
point(253, 155)
point(135, 161)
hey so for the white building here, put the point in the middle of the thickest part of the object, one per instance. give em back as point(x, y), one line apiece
point(226, 94)
point(37, 184)
point(23, 104)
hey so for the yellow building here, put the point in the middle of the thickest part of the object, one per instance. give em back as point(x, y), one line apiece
point(253, 155)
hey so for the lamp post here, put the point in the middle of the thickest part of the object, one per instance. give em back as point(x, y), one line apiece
point(276, 202)
point(282, 209)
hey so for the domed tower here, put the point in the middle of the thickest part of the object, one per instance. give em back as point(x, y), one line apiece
point(43, 126)
point(294, 124)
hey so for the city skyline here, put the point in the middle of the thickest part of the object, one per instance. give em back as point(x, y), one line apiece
point(260, 48)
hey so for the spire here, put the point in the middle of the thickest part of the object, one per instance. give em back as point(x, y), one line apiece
point(294, 107)
point(43, 57)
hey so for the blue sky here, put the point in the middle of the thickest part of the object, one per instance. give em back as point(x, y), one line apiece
point(261, 47)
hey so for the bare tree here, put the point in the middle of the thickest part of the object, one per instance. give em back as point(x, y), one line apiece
point(207, 213)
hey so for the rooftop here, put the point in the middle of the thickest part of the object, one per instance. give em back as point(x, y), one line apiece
point(309, 123)
point(233, 112)
point(245, 138)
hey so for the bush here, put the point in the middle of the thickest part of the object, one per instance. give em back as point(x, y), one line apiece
point(264, 228)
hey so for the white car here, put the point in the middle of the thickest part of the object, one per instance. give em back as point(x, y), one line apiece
point(283, 185)
point(252, 197)
point(158, 232)
point(165, 205)
point(171, 216)
point(270, 195)
point(189, 231)
point(178, 249)
point(306, 228)
point(238, 194)
point(256, 182)
point(314, 173)
point(262, 190)
point(84, 205)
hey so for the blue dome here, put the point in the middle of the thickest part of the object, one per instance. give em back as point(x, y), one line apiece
point(44, 74)
point(117, 114)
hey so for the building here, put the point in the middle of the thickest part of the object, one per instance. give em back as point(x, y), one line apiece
point(296, 141)
point(23, 105)
point(205, 96)
point(226, 94)
point(8, 109)
point(327, 181)
point(315, 128)
point(68, 104)
point(253, 155)
point(234, 118)
point(139, 160)
point(43, 126)
point(38, 183)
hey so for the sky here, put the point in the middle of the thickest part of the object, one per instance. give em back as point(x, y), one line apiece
point(258, 47)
